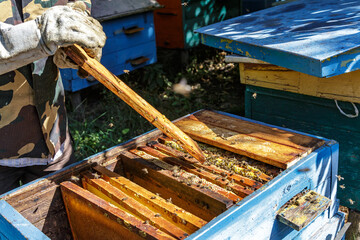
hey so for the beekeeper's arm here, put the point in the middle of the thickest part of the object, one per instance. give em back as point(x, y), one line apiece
point(57, 27)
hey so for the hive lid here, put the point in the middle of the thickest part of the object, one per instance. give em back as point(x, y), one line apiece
point(108, 9)
point(320, 38)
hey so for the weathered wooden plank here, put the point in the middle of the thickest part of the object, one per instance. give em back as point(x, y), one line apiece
point(210, 168)
point(262, 150)
point(201, 202)
point(271, 134)
point(51, 204)
point(168, 210)
point(115, 196)
point(301, 210)
point(344, 87)
point(56, 225)
point(91, 217)
point(213, 178)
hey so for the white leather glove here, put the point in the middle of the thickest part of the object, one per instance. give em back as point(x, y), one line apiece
point(66, 25)
point(59, 26)
point(62, 26)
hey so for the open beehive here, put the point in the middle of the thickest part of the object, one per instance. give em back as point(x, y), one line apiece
point(157, 191)
point(150, 188)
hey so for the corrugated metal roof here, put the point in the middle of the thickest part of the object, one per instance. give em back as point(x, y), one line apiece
point(108, 9)
point(321, 38)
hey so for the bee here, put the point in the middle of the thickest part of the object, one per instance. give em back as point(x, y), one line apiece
point(124, 199)
point(145, 170)
point(351, 201)
point(158, 215)
point(185, 4)
point(75, 178)
point(152, 197)
point(339, 177)
point(169, 200)
point(126, 71)
point(254, 95)
point(96, 175)
point(342, 186)
point(146, 222)
point(304, 169)
point(176, 174)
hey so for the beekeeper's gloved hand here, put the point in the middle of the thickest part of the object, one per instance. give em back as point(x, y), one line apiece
point(57, 27)
point(66, 25)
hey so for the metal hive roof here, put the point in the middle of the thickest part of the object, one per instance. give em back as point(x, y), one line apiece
point(320, 38)
point(108, 9)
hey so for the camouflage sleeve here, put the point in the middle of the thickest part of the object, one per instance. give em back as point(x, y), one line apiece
point(19, 45)
point(87, 3)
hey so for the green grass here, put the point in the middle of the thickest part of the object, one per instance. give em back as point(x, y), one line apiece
point(104, 120)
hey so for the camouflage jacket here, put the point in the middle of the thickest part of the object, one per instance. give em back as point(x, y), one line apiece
point(33, 121)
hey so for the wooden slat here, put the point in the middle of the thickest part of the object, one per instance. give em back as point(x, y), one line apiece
point(300, 211)
point(197, 181)
point(91, 217)
point(120, 199)
point(201, 202)
point(241, 191)
point(344, 87)
point(210, 168)
point(260, 131)
point(262, 150)
point(180, 217)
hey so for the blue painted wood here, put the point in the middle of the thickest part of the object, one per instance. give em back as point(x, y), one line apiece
point(312, 36)
point(319, 117)
point(116, 62)
point(14, 226)
point(120, 48)
point(328, 230)
point(118, 40)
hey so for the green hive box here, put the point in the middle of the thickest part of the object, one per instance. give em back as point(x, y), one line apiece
point(316, 116)
point(204, 12)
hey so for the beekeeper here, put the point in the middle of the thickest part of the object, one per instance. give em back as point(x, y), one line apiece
point(34, 136)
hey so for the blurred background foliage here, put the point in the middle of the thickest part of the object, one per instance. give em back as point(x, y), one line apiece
point(103, 120)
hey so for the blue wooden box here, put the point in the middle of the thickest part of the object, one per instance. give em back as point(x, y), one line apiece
point(130, 40)
point(36, 208)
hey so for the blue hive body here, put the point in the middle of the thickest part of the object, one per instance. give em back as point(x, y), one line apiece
point(320, 38)
point(124, 50)
point(254, 217)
